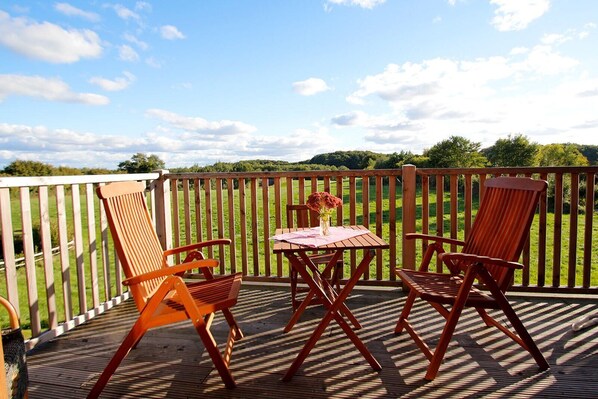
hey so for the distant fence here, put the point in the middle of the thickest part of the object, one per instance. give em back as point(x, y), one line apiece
point(20, 262)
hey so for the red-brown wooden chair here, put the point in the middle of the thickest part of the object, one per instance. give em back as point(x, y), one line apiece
point(299, 215)
point(158, 289)
point(489, 256)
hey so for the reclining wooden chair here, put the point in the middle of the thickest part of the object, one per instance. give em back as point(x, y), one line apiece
point(299, 215)
point(489, 256)
point(161, 295)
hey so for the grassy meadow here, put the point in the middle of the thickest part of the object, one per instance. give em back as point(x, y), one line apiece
point(255, 256)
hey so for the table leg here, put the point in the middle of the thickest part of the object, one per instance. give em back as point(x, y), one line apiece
point(344, 309)
point(333, 313)
point(302, 268)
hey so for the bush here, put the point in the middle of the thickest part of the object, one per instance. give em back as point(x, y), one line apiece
point(37, 240)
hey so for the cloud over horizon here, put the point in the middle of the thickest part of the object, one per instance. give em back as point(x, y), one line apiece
point(310, 87)
point(49, 89)
point(512, 15)
point(47, 41)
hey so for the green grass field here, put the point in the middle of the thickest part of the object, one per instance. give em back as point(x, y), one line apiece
point(261, 235)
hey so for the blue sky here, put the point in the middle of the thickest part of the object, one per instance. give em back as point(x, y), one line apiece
point(90, 83)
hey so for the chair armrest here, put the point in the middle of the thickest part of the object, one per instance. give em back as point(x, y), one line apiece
point(485, 260)
point(171, 270)
point(196, 246)
point(12, 312)
point(446, 240)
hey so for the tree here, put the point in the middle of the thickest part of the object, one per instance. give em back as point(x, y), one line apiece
point(512, 151)
point(141, 163)
point(396, 160)
point(350, 159)
point(456, 152)
point(590, 152)
point(28, 168)
point(560, 155)
point(67, 171)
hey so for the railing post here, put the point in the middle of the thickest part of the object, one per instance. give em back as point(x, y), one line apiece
point(163, 209)
point(409, 189)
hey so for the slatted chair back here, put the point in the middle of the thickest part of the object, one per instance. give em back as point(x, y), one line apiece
point(501, 226)
point(299, 215)
point(135, 241)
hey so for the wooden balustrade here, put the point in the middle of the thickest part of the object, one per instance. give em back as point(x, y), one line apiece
point(69, 286)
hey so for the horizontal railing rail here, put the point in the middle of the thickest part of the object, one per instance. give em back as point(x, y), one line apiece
point(67, 287)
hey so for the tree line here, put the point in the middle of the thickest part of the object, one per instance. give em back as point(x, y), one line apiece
point(454, 152)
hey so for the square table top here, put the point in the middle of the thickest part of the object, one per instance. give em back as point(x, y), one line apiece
point(364, 241)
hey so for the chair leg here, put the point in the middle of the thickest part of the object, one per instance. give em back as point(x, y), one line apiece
point(489, 321)
point(524, 336)
point(230, 319)
point(451, 322)
point(220, 363)
point(206, 337)
point(406, 310)
point(293, 276)
point(525, 339)
point(130, 341)
point(445, 339)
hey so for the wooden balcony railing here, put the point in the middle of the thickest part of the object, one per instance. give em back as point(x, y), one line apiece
point(69, 271)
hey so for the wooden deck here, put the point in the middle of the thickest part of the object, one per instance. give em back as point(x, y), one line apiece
point(171, 363)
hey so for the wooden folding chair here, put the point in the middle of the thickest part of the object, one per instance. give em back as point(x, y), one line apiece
point(160, 293)
point(489, 256)
point(299, 215)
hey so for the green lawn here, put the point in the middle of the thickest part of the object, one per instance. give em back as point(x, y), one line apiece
point(361, 217)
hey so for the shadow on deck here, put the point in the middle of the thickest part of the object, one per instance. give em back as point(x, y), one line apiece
point(171, 362)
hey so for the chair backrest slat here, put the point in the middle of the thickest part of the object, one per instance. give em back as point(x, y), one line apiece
point(135, 238)
point(299, 215)
point(501, 226)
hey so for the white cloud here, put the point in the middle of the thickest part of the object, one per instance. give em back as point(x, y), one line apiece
point(139, 43)
point(544, 61)
point(201, 126)
point(296, 145)
point(517, 14)
point(555, 38)
point(310, 86)
point(127, 53)
point(518, 50)
point(170, 32)
point(369, 4)
point(154, 63)
point(143, 6)
point(534, 91)
point(49, 89)
point(125, 13)
point(71, 148)
point(46, 41)
point(116, 84)
point(176, 146)
point(68, 147)
point(70, 10)
point(353, 118)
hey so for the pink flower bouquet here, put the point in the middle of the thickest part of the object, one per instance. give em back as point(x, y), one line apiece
point(323, 202)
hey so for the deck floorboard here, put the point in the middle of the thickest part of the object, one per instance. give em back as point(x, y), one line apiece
point(170, 362)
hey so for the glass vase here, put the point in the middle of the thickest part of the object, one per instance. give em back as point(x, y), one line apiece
point(325, 225)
